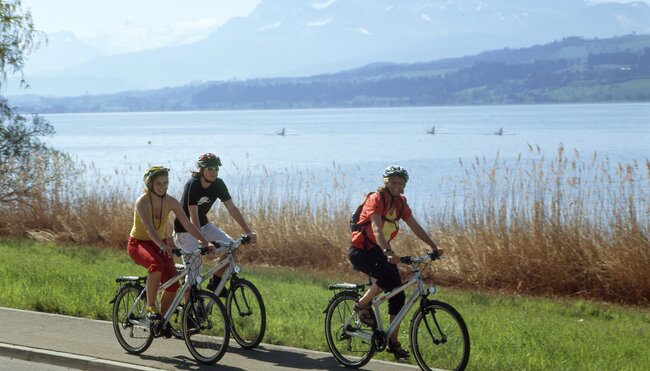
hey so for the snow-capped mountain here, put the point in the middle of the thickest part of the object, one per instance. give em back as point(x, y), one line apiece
point(290, 38)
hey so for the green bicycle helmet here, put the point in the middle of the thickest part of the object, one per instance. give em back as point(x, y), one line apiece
point(153, 172)
point(398, 171)
point(208, 160)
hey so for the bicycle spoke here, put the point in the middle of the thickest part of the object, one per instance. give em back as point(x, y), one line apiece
point(341, 326)
point(205, 328)
point(129, 322)
point(247, 313)
point(439, 338)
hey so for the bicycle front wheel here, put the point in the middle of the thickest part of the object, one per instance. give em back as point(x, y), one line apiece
point(175, 322)
point(347, 337)
point(205, 327)
point(439, 337)
point(130, 323)
point(247, 313)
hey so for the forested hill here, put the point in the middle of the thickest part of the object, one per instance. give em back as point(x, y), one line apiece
point(573, 70)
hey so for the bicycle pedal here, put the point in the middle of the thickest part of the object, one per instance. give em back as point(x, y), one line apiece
point(166, 331)
point(156, 328)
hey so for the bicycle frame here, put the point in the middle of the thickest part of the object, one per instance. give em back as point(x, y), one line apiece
point(229, 261)
point(420, 292)
point(163, 287)
point(232, 268)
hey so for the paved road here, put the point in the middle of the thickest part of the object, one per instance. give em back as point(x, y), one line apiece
point(89, 344)
point(13, 364)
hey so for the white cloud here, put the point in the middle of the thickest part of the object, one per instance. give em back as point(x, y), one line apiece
point(361, 30)
point(323, 5)
point(425, 17)
point(320, 23)
point(272, 25)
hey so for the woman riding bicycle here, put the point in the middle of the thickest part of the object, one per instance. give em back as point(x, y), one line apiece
point(147, 246)
point(372, 254)
point(199, 194)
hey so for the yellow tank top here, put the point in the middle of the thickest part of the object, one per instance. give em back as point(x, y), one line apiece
point(139, 232)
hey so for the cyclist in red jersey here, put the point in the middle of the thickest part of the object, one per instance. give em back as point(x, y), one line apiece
point(370, 251)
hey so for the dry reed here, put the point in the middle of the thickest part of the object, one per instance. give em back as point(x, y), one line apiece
point(564, 226)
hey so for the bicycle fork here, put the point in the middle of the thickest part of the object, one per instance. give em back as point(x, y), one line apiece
point(244, 309)
point(437, 340)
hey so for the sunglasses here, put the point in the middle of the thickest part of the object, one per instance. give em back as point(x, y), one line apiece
point(212, 168)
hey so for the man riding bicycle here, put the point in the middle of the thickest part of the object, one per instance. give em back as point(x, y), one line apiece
point(199, 194)
point(370, 251)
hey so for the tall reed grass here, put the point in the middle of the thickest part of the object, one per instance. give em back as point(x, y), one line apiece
point(560, 226)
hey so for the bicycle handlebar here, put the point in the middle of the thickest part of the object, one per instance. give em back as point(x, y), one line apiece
point(432, 255)
point(242, 240)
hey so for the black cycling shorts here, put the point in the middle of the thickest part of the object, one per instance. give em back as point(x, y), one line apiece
point(374, 263)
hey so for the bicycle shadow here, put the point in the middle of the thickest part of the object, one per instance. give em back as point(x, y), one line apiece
point(276, 356)
point(264, 356)
point(188, 363)
point(303, 359)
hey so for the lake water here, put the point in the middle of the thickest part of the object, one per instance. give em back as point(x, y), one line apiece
point(352, 146)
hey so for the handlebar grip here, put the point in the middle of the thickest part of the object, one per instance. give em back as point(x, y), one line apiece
point(245, 239)
point(434, 255)
point(216, 244)
point(406, 260)
point(176, 252)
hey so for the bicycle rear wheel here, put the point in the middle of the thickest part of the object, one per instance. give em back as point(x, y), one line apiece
point(247, 313)
point(206, 327)
point(439, 337)
point(132, 329)
point(347, 337)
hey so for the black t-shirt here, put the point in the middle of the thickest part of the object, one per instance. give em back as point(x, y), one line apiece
point(204, 198)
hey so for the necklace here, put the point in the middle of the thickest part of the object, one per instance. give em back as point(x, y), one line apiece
point(153, 220)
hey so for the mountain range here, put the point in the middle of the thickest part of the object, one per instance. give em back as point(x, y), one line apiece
point(288, 38)
point(571, 70)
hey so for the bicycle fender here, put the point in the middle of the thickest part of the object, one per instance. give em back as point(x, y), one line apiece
point(350, 293)
point(121, 279)
point(124, 287)
point(346, 286)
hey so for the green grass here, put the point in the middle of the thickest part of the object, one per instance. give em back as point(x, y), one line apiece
point(507, 332)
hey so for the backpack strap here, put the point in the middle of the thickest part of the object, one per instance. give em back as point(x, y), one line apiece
point(398, 208)
point(361, 227)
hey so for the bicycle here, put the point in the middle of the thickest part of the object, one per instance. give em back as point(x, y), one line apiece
point(204, 321)
point(438, 334)
point(244, 303)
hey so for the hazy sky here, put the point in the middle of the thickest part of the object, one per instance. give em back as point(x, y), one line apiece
point(129, 25)
point(136, 24)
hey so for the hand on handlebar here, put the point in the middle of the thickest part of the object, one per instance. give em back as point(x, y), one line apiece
point(249, 238)
point(166, 249)
point(394, 259)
